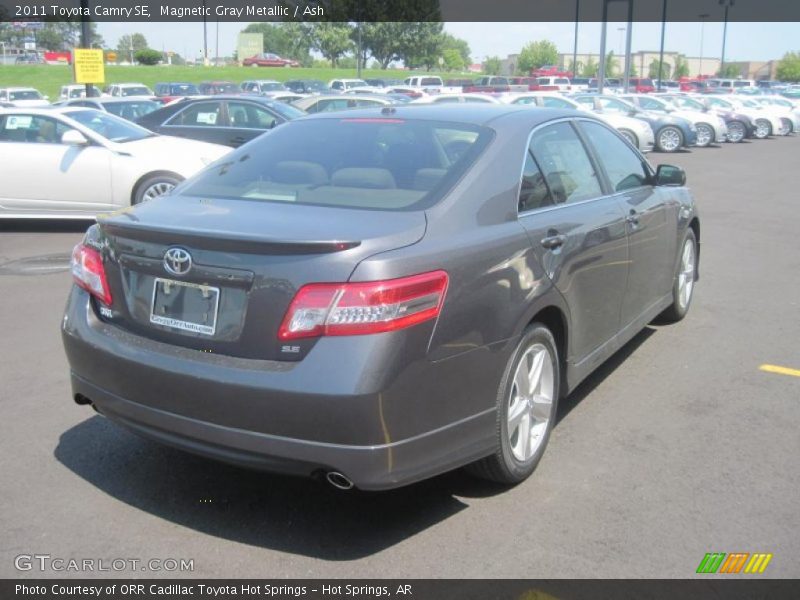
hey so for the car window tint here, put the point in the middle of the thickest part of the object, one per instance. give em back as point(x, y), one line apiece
point(201, 114)
point(385, 164)
point(533, 192)
point(556, 102)
point(32, 129)
point(624, 167)
point(249, 116)
point(566, 166)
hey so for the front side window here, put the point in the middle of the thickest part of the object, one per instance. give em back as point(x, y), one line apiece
point(623, 166)
point(31, 129)
point(567, 169)
point(201, 114)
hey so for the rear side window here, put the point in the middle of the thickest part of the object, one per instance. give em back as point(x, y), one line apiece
point(202, 114)
point(623, 166)
point(567, 169)
point(370, 163)
point(533, 192)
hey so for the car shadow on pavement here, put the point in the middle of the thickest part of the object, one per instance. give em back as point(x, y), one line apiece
point(599, 375)
point(286, 514)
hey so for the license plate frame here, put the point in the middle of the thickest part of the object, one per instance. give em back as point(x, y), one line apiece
point(180, 324)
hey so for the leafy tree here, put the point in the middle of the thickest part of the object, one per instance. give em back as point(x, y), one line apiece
point(332, 40)
point(453, 60)
point(421, 45)
point(653, 73)
point(574, 68)
point(681, 67)
point(730, 72)
point(590, 68)
point(789, 67)
point(129, 45)
point(450, 42)
point(632, 71)
point(148, 56)
point(537, 54)
point(492, 65)
point(288, 40)
point(55, 36)
point(382, 41)
point(611, 64)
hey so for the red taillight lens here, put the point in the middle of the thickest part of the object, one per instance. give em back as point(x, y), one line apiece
point(89, 273)
point(363, 308)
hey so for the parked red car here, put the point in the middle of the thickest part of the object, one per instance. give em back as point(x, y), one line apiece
point(641, 86)
point(550, 71)
point(267, 59)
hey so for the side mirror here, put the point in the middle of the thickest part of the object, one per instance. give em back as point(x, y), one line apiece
point(670, 175)
point(73, 137)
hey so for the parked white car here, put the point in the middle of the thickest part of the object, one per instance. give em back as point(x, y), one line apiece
point(119, 90)
point(23, 97)
point(563, 84)
point(343, 85)
point(78, 162)
point(456, 99)
point(76, 90)
point(790, 122)
point(262, 86)
point(711, 127)
point(637, 132)
point(766, 122)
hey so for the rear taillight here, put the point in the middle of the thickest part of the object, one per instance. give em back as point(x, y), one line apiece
point(89, 273)
point(362, 308)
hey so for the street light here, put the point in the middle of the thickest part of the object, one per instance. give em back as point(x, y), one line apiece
point(727, 4)
point(575, 47)
point(661, 51)
point(703, 18)
point(621, 30)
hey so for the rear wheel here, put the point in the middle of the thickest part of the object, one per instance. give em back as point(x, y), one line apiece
point(683, 288)
point(155, 186)
point(526, 408)
point(736, 131)
point(705, 134)
point(669, 139)
point(786, 126)
point(630, 136)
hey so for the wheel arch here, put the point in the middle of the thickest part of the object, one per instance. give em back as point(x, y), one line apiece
point(556, 321)
point(694, 225)
point(149, 175)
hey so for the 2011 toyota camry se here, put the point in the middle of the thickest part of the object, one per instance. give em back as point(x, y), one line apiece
point(382, 295)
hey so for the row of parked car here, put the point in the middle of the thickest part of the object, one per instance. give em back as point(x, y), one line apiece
point(125, 139)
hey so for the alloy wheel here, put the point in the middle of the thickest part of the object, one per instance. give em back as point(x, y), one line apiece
point(157, 189)
point(704, 135)
point(762, 129)
point(669, 140)
point(735, 132)
point(686, 274)
point(530, 402)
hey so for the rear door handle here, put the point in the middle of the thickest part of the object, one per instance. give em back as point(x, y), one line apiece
point(554, 241)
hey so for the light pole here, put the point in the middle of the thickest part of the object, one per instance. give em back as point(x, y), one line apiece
point(661, 52)
point(727, 4)
point(703, 18)
point(621, 30)
point(575, 46)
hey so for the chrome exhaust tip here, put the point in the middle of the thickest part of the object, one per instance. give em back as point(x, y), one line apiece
point(339, 481)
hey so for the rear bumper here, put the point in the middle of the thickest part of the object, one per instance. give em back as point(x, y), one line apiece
point(343, 408)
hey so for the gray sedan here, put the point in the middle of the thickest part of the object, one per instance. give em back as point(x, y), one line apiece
point(379, 296)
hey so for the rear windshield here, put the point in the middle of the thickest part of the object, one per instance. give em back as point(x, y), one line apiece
point(369, 163)
point(135, 91)
point(132, 109)
point(183, 89)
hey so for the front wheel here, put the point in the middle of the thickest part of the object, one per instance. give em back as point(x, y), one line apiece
point(705, 135)
point(526, 409)
point(683, 287)
point(763, 129)
point(736, 131)
point(155, 186)
point(669, 139)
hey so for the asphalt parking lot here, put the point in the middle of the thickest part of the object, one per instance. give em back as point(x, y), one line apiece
point(678, 446)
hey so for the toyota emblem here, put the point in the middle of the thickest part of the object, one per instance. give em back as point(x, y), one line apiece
point(177, 261)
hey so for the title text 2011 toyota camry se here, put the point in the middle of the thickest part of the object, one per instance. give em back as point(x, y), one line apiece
point(381, 295)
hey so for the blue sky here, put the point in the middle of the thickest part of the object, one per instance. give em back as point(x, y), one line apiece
point(746, 41)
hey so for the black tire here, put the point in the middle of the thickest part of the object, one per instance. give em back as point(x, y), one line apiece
point(502, 466)
point(668, 131)
point(143, 190)
point(678, 309)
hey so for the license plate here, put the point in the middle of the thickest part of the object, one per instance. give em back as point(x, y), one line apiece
point(185, 306)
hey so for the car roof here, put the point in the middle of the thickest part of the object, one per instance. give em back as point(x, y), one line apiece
point(262, 81)
point(19, 89)
point(129, 84)
point(471, 114)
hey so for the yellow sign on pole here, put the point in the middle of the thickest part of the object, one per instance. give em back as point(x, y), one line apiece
point(89, 65)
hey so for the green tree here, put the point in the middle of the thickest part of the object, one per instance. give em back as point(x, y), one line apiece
point(55, 36)
point(129, 45)
point(453, 60)
point(632, 71)
point(382, 41)
point(575, 68)
point(681, 67)
point(590, 68)
point(332, 40)
point(729, 72)
point(288, 40)
point(537, 54)
point(611, 64)
point(652, 71)
point(421, 45)
point(789, 67)
point(148, 56)
point(492, 65)
point(450, 42)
